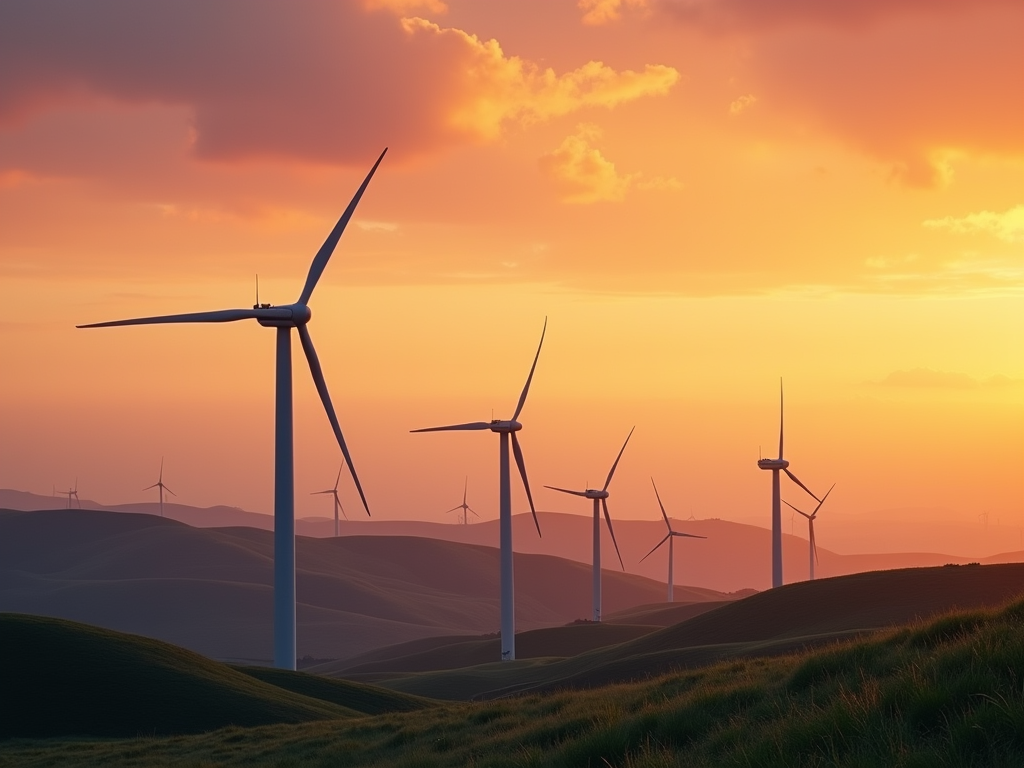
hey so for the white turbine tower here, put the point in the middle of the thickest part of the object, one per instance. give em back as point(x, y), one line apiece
point(464, 506)
point(337, 501)
point(670, 538)
point(775, 465)
point(600, 498)
point(810, 528)
point(506, 433)
point(160, 484)
point(284, 319)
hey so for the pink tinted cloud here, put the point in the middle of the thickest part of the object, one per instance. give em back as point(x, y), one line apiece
point(912, 82)
point(318, 80)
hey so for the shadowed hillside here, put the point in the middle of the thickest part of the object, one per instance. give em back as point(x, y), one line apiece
point(768, 623)
point(436, 653)
point(210, 589)
point(61, 678)
point(939, 693)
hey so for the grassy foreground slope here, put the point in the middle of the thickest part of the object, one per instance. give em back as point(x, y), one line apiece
point(61, 678)
point(943, 693)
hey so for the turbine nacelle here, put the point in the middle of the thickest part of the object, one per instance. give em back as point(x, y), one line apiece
point(299, 314)
point(594, 493)
point(511, 425)
point(772, 463)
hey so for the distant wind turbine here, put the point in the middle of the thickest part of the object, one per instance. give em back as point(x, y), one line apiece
point(810, 528)
point(72, 492)
point(670, 538)
point(160, 484)
point(337, 502)
point(775, 465)
point(506, 433)
point(464, 506)
point(284, 318)
point(600, 498)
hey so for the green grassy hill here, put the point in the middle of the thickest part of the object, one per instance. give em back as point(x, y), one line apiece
point(942, 693)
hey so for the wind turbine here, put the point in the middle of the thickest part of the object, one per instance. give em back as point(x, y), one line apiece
point(775, 465)
point(810, 528)
point(337, 502)
point(464, 506)
point(670, 538)
point(160, 484)
point(506, 433)
point(72, 492)
point(284, 318)
point(600, 498)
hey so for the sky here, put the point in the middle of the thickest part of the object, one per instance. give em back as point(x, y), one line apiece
point(701, 197)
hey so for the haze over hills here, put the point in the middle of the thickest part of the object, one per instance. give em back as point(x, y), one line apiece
point(209, 590)
point(735, 555)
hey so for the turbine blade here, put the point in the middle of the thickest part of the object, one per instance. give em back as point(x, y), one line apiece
point(465, 490)
point(316, 268)
point(526, 389)
point(473, 511)
point(781, 416)
point(325, 398)
point(814, 544)
point(797, 481)
point(149, 487)
point(518, 452)
point(566, 490)
point(611, 472)
point(815, 512)
point(688, 535)
point(338, 478)
point(340, 506)
point(608, 519)
point(663, 513)
point(217, 316)
point(170, 491)
point(453, 509)
point(795, 509)
point(655, 547)
point(318, 493)
point(473, 425)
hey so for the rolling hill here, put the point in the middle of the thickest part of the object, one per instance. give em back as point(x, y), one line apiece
point(768, 623)
point(62, 678)
point(209, 590)
point(735, 556)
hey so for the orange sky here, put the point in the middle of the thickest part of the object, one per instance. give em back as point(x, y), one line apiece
point(701, 195)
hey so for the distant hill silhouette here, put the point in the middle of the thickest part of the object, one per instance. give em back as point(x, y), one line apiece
point(210, 589)
point(776, 621)
point(735, 556)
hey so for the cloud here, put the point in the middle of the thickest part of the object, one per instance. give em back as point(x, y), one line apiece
point(581, 172)
point(500, 89)
point(742, 104)
point(597, 12)
point(909, 82)
point(316, 80)
point(926, 378)
point(1007, 226)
